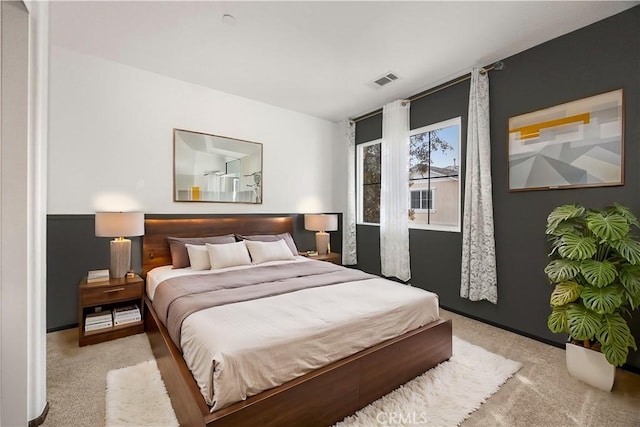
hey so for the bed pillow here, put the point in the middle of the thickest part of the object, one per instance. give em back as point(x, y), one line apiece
point(268, 251)
point(179, 255)
point(228, 255)
point(272, 238)
point(198, 257)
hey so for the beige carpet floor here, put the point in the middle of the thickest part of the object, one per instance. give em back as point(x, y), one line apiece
point(540, 394)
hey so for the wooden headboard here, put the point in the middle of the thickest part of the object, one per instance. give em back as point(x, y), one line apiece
point(155, 248)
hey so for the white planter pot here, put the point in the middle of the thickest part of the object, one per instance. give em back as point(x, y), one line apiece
point(590, 367)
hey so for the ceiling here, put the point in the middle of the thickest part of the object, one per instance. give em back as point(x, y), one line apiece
point(317, 58)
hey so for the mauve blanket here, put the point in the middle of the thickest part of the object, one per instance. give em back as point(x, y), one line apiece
point(177, 298)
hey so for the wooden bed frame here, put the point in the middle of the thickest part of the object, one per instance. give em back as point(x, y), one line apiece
point(319, 398)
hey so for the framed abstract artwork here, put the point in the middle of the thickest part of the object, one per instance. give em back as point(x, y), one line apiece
point(576, 144)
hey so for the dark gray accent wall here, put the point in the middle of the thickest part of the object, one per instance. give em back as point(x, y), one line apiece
point(73, 249)
point(599, 58)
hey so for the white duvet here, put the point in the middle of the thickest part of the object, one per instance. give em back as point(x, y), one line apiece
point(238, 350)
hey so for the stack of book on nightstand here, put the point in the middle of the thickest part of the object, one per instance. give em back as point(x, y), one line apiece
point(97, 276)
point(128, 314)
point(96, 321)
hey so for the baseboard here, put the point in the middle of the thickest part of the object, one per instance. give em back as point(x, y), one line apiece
point(504, 327)
point(40, 419)
point(626, 367)
point(62, 328)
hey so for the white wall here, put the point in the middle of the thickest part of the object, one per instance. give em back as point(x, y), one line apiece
point(339, 168)
point(110, 142)
point(14, 212)
point(37, 209)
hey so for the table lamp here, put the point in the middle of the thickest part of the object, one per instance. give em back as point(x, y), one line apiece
point(321, 223)
point(119, 225)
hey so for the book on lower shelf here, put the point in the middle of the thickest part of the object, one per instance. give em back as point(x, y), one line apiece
point(127, 314)
point(98, 326)
point(127, 320)
point(98, 317)
point(97, 276)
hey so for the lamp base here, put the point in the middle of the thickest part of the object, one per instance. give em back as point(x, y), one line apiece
point(120, 258)
point(322, 242)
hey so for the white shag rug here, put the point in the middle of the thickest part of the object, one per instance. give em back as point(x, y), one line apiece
point(136, 397)
point(443, 396)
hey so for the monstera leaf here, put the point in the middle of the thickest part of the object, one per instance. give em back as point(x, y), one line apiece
point(615, 354)
point(615, 337)
point(598, 273)
point(624, 212)
point(583, 323)
point(557, 321)
point(630, 280)
point(629, 249)
point(614, 329)
point(564, 293)
point(562, 213)
point(602, 300)
point(577, 247)
point(560, 270)
point(609, 228)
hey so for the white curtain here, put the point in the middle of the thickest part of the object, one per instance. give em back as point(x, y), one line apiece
point(394, 192)
point(349, 249)
point(479, 280)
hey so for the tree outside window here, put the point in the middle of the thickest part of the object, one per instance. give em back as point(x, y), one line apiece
point(371, 161)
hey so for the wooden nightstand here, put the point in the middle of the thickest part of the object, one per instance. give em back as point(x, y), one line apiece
point(333, 257)
point(109, 295)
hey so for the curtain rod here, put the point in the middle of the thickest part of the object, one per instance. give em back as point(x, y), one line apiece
point(496, 66)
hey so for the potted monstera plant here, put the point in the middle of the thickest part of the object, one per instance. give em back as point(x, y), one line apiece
point(595, 268)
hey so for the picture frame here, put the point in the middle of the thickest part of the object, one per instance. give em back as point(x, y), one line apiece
point(216, 169)
point(576, 144)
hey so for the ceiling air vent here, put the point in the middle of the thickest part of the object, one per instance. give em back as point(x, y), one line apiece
point(383, 80)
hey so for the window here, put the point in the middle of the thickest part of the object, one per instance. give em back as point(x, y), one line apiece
point(434, 164)
point(369, 165)
point(434, 178)
point(422, 199)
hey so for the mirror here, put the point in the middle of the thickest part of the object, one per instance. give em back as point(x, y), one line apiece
point(211, 168)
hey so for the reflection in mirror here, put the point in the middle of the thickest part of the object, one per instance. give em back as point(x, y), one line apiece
point(210, 168)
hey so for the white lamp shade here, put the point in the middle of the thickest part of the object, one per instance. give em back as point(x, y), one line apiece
point(119, 224)
point(320, 222)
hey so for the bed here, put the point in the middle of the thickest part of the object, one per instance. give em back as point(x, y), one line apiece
point(320, 397)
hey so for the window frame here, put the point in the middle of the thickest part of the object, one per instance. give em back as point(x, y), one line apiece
point(440, 227)
point(360, 179)
point(433, 227)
